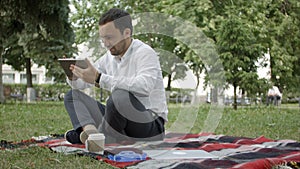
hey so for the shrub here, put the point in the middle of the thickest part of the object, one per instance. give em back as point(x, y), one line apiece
point(49, 92)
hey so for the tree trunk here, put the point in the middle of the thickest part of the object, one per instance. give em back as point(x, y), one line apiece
point(149, 39)
point(30, 90)
point(195, 99)
point(28, 73)
point(272, 64)
point(198, 79)
point(2, 98)
point(169, 82)
point(214, 94)
point(234, 97)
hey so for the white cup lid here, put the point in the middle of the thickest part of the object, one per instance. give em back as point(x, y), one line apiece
point(96, 136)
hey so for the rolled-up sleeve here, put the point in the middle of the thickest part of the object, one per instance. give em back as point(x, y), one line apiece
point(106, 82)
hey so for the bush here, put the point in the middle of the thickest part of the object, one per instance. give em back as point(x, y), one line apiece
point(49, 92)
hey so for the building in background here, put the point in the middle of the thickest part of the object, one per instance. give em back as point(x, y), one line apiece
point(11, 76)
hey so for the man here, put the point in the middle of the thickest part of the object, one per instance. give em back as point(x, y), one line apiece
point(274, 95)
point(130, 70)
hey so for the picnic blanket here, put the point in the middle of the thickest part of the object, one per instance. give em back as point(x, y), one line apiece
point(214, 151)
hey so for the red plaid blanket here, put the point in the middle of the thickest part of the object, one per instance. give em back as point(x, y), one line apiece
point(228, 151)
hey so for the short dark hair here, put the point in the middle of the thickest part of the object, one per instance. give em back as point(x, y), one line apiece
point(121, 19)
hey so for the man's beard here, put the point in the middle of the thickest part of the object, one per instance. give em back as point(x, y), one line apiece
point(116, 52)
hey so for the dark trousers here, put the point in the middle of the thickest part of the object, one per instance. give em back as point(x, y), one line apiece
point(124, 117)
point(273, 99)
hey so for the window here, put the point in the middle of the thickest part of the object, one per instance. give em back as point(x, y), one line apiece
point(8, 78)
point(24, 80)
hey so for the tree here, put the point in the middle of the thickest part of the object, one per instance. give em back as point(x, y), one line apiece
point(44, 35)
point(196, 13)
point(285, 48)
point(158, 30)
point(293, 89)
point(9, 27)
point(235, 44)
point(277, 41)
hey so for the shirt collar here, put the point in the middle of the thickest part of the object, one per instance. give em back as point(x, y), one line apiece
point(126, 54)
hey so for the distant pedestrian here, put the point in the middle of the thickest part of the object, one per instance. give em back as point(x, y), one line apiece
point(274, 96)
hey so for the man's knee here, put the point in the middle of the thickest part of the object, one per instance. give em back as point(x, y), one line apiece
point(119, 95)
point(123, 99)
point(119, 98)
point(70, 94)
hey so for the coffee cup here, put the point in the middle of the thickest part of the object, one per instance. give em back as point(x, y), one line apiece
point(95, 143)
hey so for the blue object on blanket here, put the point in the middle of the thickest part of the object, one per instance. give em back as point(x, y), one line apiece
point(127, 156)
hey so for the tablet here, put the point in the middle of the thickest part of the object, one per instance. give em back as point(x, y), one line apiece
point(66, 62)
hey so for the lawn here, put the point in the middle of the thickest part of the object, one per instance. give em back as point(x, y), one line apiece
point(20, 121)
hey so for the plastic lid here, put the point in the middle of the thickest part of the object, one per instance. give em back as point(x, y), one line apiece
point(96, 136)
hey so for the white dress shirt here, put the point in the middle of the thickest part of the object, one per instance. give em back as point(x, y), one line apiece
point(138, 72)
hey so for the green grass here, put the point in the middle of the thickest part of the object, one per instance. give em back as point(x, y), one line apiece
point(21, 121)
point(272, 122)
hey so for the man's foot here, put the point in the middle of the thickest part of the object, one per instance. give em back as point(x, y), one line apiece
point(73, 137)
point(89, 129)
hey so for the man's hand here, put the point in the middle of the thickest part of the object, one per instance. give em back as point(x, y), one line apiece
point(88, 74)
